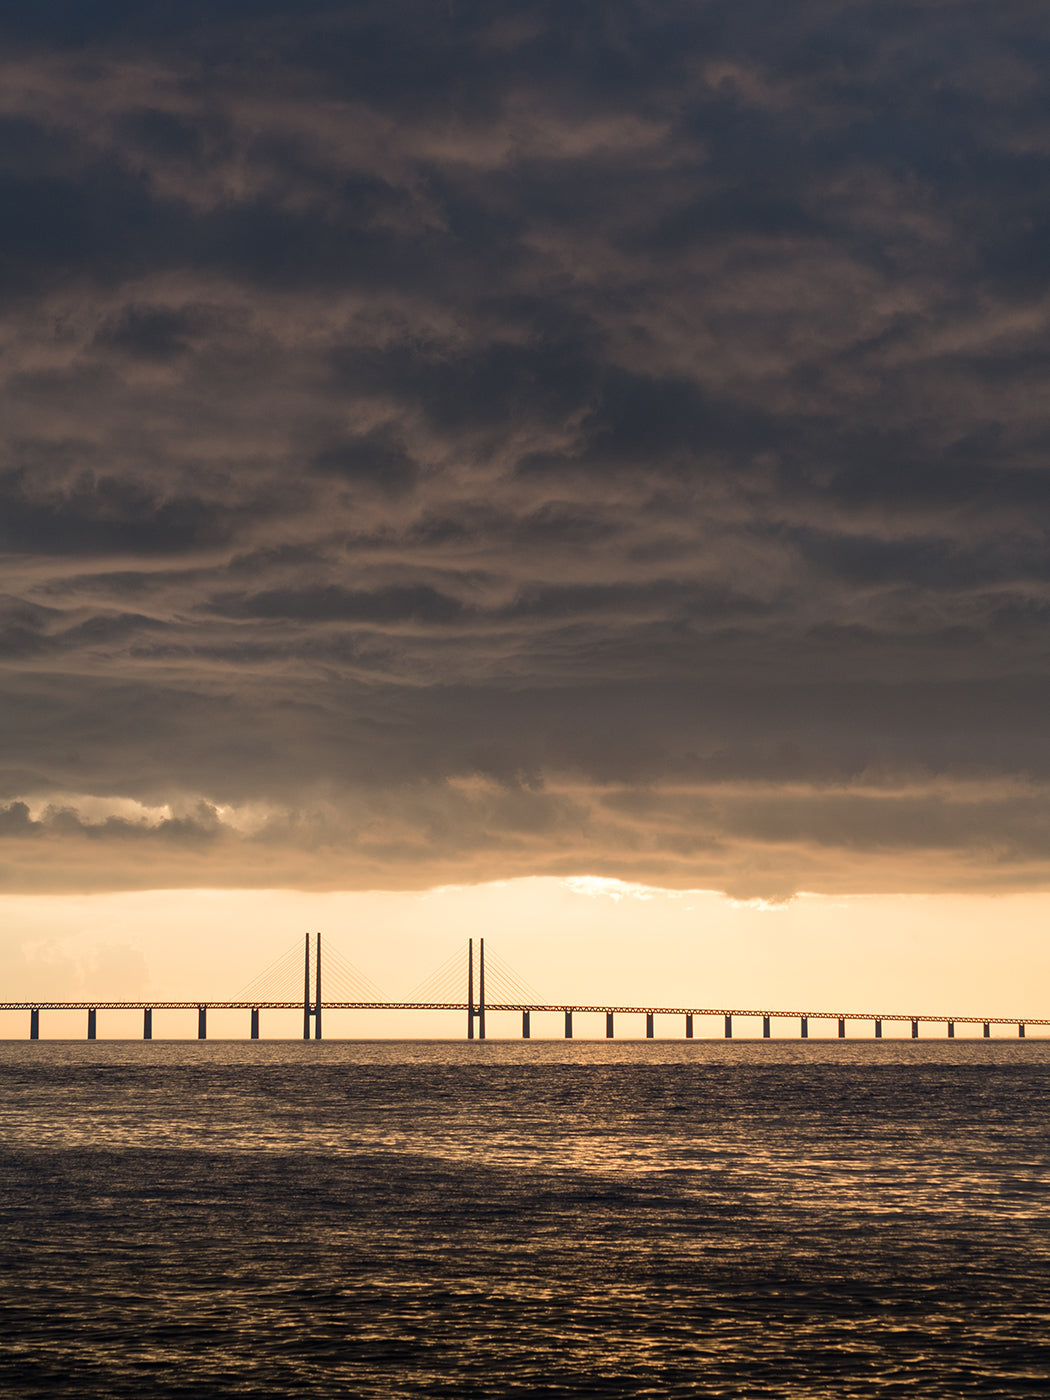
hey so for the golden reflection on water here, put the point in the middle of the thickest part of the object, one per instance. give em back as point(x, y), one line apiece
point(387, 1220)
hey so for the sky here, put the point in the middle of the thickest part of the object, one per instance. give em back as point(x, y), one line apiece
point(482, 446)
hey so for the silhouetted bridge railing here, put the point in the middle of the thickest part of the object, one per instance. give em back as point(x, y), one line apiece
point(312, 1005)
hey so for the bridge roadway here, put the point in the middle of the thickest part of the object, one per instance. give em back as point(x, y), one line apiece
point(525, 1008)
point(565, 1006)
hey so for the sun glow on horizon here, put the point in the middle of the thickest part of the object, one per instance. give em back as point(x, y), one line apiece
point(585, 939)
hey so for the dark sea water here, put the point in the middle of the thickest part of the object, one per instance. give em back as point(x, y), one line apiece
point(505, 1219)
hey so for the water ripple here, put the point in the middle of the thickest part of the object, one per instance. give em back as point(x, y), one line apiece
point(580, 1220)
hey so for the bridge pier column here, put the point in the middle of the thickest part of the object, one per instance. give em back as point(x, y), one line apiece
point(987, 1031)
point(317, 992)
point(470, 992)
point(91, 1022)
point(914, 1030)
point(951, 1030)
point(729, 1028)
point(568, 1025)
point(609, 1032)
point(147, 1023)
point(765, 1027)
point(689, 1028)
point(526, 1025)
point(34, 1023)
point(648, 1025)
point(306, 991)
point(878, 1030)
point(1020, 1030)
point(255, 1023)
point(842, 1028)
point(202, 1023)
point(804, 1030)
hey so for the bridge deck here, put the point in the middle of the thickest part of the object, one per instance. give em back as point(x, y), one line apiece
point(140, 1005)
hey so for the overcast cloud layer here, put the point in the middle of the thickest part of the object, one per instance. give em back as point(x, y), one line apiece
point(448, 442)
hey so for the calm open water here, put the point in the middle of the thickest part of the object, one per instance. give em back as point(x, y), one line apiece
point(500, 1219)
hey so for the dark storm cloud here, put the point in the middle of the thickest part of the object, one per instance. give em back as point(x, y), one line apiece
point(451, 442)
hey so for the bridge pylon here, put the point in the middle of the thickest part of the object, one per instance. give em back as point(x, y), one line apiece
point(311, 1008)
point(477, 1011)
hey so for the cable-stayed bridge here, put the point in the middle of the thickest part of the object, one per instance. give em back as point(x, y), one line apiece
point(297, 981)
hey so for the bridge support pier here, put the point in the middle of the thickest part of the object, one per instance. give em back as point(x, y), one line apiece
point(689, 1028)
point(147, 1023)
point(648, 1025)
point(1020, 1030)
point(609, 1032)
point(306, 991)
point(202, 1023)
point(317, 991)
point(914, 1030)
point(804, 1031)
point(987, 1031)
point(951, 1030)
point(255, 1023)
point(526, 1025)
point(34, 1023)
point(729, 1028)
point(91, 1022)
point(568, 1025)
point(878, 1030)
point(842, 1028)
point(765, 1027)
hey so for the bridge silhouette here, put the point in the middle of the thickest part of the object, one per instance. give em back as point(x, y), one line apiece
point(271, 991)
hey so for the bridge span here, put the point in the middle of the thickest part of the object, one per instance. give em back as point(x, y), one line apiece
point(312, 1005)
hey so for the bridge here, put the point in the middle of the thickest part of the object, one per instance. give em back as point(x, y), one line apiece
point(512, 995)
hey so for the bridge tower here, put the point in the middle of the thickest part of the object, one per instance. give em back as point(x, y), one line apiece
point(311, 1009)
point(479, 1010)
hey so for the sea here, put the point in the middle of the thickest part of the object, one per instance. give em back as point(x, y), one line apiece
point(524, 1219)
